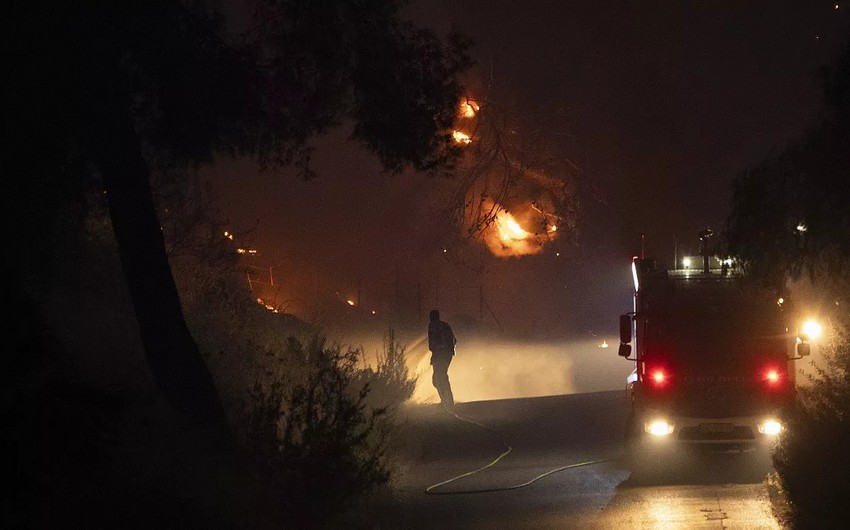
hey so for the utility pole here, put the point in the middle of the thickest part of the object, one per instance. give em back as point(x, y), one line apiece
point(675, 252)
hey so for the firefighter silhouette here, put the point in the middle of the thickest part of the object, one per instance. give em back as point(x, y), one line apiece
point(441, 342)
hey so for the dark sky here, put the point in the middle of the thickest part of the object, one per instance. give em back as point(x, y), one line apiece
point(660, 103)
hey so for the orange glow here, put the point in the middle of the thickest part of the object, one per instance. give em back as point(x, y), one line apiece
point(468, 108)
point(513, 233)
point(268, 306)
point(509, 229)
point(350, 302)
point(461, 138)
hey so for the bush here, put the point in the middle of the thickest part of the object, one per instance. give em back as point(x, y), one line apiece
point(389, 381)
point(314, 440)
point(812, 458)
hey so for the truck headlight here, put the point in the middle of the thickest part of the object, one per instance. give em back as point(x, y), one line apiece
point(770, 427)
point(658, 427)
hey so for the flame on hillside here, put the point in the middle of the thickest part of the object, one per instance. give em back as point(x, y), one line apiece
point(461, 137)
point(468, 108)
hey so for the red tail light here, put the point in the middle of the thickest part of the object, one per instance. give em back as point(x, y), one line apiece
point(657, 375)
point(773, 377)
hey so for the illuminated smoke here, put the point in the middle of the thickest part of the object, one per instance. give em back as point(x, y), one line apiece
point(486, 369)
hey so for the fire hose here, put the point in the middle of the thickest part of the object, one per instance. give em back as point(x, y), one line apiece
point(430, 489)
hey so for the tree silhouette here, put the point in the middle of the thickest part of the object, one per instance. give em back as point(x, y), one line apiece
point(789, 213)
point(104, 93)
point(790, 220)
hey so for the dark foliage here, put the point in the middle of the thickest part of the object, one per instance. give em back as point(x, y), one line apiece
point(790, 221)
point(789, 213)
point(113, 89)
point(316, 442)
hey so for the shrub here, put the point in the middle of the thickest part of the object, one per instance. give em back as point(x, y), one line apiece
point(812, 458)
point(314, 439)
point(389, 381)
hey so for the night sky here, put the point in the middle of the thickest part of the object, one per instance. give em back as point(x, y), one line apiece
point(659, 103)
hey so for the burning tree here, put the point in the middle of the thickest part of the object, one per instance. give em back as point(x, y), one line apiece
point(511, 190)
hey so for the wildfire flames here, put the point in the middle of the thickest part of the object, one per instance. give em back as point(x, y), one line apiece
point(461, 138)
point(513, 235)
point(526, 218)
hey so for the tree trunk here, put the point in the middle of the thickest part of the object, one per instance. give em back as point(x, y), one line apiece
point(173, 355)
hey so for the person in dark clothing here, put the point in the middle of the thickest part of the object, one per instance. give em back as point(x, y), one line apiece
point(441, 342)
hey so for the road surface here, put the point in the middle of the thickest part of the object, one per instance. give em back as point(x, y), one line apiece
point(547, 433)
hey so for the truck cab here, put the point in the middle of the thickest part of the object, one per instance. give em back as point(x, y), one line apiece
point(713, 357)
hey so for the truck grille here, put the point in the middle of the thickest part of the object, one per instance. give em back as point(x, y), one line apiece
point(695, 433)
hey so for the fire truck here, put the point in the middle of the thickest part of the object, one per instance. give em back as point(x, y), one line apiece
point(713, 357)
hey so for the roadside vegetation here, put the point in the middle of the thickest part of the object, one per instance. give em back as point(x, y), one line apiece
point(312, 420)
point(790, 227)
point(143, 385)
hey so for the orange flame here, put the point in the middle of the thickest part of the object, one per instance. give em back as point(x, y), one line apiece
point(513, 233)
point(468, 108)
point(461, 137)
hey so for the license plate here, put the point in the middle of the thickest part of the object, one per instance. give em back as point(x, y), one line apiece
point(716, 427)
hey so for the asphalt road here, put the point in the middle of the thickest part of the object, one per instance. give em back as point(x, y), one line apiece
point(687, 490)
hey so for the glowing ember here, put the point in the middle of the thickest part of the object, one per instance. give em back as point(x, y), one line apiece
point(350, 302)
point(268, 306)
point(461, 138)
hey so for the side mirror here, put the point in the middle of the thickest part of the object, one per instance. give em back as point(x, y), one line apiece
point(624, 350)
point(804, 349)
point(625, 329)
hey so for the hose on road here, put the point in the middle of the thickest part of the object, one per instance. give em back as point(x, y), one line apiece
point(430, 489)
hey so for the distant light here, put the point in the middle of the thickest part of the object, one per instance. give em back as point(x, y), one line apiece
point(728, 261)
point(557, 253)
point(686, 262)
point(374, 312)
point(350, 302)
point(780, 301)
point(836, 7)
point(802, 227)
point(445, 250)
point(604, 344)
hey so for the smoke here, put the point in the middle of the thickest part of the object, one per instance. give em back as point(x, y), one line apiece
point(485, 369)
